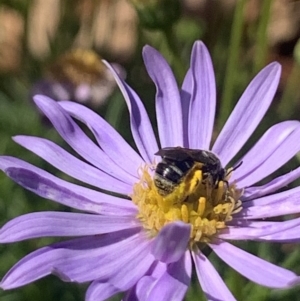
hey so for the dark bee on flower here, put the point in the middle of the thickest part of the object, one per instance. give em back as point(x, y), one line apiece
point(177, 161)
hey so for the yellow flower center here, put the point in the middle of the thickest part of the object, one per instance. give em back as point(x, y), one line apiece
point(194, 200)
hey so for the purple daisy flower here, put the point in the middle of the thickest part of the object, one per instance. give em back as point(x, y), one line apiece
point(142, 239)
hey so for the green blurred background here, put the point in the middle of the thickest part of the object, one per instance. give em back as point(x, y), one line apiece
point(56, 46)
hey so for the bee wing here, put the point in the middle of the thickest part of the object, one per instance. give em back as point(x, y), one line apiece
point(175, 153)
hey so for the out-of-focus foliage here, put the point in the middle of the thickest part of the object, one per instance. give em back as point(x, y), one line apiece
point(242, 36)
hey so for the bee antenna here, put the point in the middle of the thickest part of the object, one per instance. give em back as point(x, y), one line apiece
point(234, 168)
point(227, 184)
point(237, 166)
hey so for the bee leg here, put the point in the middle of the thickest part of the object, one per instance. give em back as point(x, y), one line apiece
point(208, 180)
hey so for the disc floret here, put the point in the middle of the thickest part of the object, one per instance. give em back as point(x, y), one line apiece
point(196, 200)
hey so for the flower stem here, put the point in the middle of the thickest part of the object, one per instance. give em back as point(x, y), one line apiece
point(115, 110)
point(177, 63)
point(232, 63)
point(261, 38)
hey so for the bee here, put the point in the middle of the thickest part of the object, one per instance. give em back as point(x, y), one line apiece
point(177, 161)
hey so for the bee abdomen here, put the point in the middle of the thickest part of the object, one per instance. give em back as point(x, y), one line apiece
point(169, 174)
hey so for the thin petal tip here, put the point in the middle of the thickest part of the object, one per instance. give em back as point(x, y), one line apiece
point(41, 98)
point(199, 44)
point(18, 138)
point(146, 47)
point(274, 66)
point(296, 281)
point(149, 51)
point(107, 64)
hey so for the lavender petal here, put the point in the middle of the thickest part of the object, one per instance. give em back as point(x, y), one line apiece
point(77, 254)
point(291, 235)
point(143, 287)
point(253, 192)
point(247, 113)
point(50, 187)
point(100, 291)
point(185, 95)
point(203, 100)
point(268, 156)
point(50, 224)
point(254, 268)
point(277, 134)
point(249, 230)
point(141, 127)
point(211, 283)
point(121, 264)
point(107, 137)
point(282, 203)
point(72, 166)
point(288, 235)
point(174, 282)
point(171, 242)
point(79, 141)
point(168, 103)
